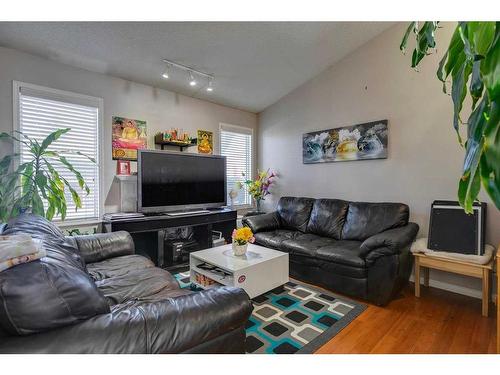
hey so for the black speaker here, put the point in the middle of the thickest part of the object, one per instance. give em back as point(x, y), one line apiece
point(452, 230)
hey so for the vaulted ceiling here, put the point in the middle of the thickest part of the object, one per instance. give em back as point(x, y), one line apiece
point(254, 64)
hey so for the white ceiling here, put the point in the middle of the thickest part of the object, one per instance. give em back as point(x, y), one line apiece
point(254, 64)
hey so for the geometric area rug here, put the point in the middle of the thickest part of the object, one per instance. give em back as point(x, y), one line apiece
point(297, 318)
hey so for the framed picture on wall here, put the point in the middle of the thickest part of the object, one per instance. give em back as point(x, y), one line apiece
point(128, 136)
point(205, 142)
point(356, 142)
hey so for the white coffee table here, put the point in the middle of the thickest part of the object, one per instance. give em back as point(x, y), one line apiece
point(258, 271)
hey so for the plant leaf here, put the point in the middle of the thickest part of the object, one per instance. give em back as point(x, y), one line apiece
point(480, 35)
point(476, 83)
point(404, 42)
point(52, 137)
point(458, 92)
point(490, 68)
point(490, 167)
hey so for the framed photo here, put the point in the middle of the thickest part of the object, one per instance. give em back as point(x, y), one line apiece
point(128, 136)
point(205, 142)
point(356, 142)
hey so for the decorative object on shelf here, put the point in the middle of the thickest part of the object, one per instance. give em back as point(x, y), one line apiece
point(234, 192)
point(123, 167)
point(241, 238)
point(205, 142)
point(357, 142)
point(128, 137)
point(38, 178)
point(174, 137)
point(260, 187)
point(473, 54)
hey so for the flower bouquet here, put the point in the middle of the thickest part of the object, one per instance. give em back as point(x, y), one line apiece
point(241, 238)
point(259, 188)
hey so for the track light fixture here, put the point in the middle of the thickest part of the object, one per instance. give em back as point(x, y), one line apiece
point(210, 87)
point(193, 73)
point(166, 72)
point(192, 81)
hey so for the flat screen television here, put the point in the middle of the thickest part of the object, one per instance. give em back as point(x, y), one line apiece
point(178, 181)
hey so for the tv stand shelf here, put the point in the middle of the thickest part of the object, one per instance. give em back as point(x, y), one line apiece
point(148, 231)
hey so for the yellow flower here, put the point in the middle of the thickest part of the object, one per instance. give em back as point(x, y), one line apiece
point(243, 235)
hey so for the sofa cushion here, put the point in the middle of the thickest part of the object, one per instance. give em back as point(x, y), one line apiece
point(294, 212)
point(366, 219)
point(51, 292)
point(118, 266)
point(305, 244)
point(325, 249)
point(148, 284)
point(328, 217)
point(273, 239)
point(343, 252)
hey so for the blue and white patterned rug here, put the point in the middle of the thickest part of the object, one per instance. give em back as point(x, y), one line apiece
point(295, 319)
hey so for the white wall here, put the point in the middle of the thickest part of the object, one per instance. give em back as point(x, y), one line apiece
point(161, 109)
point(374, 83)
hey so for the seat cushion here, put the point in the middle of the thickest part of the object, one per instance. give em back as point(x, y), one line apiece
point(328, 217)
point(367, 219)
point(273, 239)
point(294, 212)
point(305, 244)
point(148, 284)
point(51, 292)
point(118, 266)
point(343, 252)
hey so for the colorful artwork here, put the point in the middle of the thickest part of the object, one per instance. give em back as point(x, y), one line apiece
point(128, 137)
point(205, 142)
point(358, 142)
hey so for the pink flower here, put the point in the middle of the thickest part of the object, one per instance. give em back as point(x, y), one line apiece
point(251, 240)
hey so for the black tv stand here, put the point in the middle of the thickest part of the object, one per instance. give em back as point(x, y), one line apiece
point(148, 231)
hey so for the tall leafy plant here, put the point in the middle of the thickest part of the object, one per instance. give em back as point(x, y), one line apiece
point(24, 187)
point(472, 61)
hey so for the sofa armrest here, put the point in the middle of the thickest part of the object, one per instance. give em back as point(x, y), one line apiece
point(262, 223)
point(172, 325)
point(196, 318)
point(97, 247)
point(392, 240)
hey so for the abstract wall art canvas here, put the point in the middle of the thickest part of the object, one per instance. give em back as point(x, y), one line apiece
point(357, 142)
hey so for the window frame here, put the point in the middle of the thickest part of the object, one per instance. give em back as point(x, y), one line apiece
point(92, 100)
point(242, 130)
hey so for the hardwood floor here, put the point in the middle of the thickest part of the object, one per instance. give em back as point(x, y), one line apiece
point(437, 322)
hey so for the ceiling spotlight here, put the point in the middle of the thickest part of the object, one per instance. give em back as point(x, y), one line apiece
point(166, 72)
point(210, 87)
point(192, 81)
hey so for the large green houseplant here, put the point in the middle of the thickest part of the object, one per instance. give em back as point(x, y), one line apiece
point(22, 188)
point(472, 61)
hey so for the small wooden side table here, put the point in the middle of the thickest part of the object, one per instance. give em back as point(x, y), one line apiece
point(480, 271)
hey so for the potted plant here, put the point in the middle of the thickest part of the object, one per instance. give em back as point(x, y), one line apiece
point(472, 60)
point(259, 188)
point(241, 238)
point(27, 186)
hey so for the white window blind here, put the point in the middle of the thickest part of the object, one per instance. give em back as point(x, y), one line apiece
point(236, 146)
point(40, 113)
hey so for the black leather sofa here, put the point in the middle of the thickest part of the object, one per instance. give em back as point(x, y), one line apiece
point(92, 294)
point(356, 248)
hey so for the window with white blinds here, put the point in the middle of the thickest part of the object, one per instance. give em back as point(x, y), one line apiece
point(42, 111)
point(236, 146)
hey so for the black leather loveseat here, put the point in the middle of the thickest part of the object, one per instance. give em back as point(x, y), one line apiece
point(92, 294)
point(355, 248)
